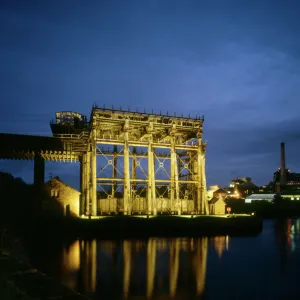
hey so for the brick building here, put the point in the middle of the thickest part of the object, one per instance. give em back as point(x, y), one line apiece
point(60, 199)
point(217, 206)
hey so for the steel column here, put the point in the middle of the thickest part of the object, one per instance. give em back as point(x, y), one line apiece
point(172, 173)
point(39, 171)
point(133, 185)
point(204, 192)
point(88, 181)
point(94, 174)
point(153, 184)
point(83, 167)
point(199, 186)
point(151, 178)
point(127, 204)
point(178, 204)
point(114, 170)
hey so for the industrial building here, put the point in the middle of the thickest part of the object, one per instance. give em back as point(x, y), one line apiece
point(241, 187)
point(259, 197)
point(290, 194)
point(130, 161)
point(60, 198)
point(217, 206)
point(283, 178)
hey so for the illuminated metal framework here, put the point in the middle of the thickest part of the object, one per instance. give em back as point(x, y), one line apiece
point(131, 162)
point(143, 163)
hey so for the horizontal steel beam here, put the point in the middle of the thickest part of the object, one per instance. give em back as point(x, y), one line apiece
point(105, 179)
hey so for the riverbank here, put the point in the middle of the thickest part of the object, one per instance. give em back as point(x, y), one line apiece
point(281, 210)
point(18, 281)
point(143, 226)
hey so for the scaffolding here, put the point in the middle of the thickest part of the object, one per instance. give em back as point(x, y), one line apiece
point(143, 163)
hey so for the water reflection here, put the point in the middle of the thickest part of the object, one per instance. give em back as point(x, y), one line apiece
point(265, 266)
point(221, 243)
point(171, 268)
point(287, 231)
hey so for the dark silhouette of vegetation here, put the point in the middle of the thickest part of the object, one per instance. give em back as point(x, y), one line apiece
point(17, 201)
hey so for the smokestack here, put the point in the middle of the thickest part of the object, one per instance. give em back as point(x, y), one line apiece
point(282, 165)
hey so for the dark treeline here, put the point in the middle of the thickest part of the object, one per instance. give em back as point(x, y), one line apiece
point(279, 208)
point(16, 201)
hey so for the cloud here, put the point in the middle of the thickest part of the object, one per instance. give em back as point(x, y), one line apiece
point(236, 63)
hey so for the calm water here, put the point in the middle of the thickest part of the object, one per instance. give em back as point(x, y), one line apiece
point(266, 266)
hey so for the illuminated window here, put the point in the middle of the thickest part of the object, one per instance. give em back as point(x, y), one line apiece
point(54, 193)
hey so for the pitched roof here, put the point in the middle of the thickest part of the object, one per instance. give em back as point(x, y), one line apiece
point(57, 179)
point(214, 200)
point(213, 187)
point(220, 191)
point(248, 184)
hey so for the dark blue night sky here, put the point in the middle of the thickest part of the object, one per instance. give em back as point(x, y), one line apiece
point(236, 62)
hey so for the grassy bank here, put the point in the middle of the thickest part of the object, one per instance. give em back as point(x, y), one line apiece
point(143, 227)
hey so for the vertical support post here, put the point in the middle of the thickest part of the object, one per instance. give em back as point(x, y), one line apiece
point(133, 172)
point(94, 173)
point(39, 179)
point(151, 174)
point(39, 171)
point(153, 191)
point(83, 167)
point(172, 171)
point(127, 204)
point(149, 186)
point(204, 196)
point(88, 181)
point(114, 171)
point(202, 201)
point(177, 206)
point(199, 179)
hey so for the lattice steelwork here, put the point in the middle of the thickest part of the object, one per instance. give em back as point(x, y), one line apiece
point(143, 163)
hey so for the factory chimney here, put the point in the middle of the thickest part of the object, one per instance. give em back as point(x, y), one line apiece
point(282, 165)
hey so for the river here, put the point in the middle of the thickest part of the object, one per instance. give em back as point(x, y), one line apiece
point(265, 266)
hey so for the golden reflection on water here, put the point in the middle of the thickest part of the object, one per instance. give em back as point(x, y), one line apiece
point(220, 244)
point(71, 262)
point(150, 268)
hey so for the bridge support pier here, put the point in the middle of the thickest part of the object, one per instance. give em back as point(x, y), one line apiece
point(127, 194)
point(39, 171)
point(202, 204)
point(94, 174)
point(88, 182)
point(38, 180)
point(83, 184)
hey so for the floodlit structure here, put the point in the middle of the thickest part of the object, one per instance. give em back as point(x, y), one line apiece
point(259, 197)
point(131, 162)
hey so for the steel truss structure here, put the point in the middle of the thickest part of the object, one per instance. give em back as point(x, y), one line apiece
point(142, 163)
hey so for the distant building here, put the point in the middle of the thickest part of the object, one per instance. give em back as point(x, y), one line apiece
point(259, 197)
point(220, 193)
point(61, 199)
point(283, 179)
point(216, 206)
point(211, 190)
point(241, 187)
point(292, 180)
point(290, 194)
